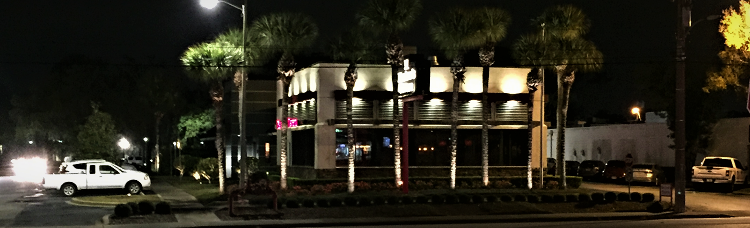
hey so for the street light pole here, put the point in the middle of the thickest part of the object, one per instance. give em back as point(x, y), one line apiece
point(683, 17)
point(241, 93)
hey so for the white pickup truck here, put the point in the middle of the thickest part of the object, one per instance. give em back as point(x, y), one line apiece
point(95, 174)
point(719, 170)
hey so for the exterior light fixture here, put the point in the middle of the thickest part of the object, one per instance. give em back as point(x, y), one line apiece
point(123, 143)
point(637, 112)
point(31, 142)
point(209, 4)
point(145, 139)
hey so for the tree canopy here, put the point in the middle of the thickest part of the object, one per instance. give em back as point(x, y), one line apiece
point(735, 27)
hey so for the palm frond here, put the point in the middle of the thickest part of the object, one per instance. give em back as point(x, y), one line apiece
point(288, 32)
point(211, 62)
point(355, 46)
point(563, 22)
point(494, 23)
point(390, 16)
point(455, 31)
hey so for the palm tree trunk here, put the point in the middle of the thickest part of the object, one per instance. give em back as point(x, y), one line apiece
point(564, 83)
point(396, 130)
point(530, 108)
point(350, 78)
point(284, 123)
point(217, 95)
point(458, 74)
point(159, 116)
point(485, 126)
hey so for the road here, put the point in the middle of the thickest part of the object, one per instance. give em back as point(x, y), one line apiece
point(694, 201)
point(21, 204)
point(665, 223)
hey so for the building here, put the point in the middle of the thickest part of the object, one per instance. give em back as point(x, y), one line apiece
point(317, 120)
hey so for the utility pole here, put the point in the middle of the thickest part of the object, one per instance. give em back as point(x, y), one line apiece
point(683, 21)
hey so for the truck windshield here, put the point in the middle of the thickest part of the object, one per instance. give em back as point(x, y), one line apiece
point(718, 162)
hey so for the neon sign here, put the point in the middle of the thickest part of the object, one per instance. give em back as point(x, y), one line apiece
point(290, 122)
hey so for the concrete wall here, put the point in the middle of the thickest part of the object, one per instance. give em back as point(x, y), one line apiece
point(647, 142)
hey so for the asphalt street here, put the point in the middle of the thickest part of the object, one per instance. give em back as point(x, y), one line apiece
point(662, 223)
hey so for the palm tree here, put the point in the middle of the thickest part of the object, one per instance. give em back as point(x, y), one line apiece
point(392, 17)
point(353, 47)
point(454, 32)
point(288, 33)
point(532, 82)
point(494, 24)
point(563, 50)
point(212, 63)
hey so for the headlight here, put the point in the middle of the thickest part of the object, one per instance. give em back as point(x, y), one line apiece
point(145, 177)
point(649, 174)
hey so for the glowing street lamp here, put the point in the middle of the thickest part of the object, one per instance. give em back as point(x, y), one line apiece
point(123, 143)
point(637, 112)
point(209, 4)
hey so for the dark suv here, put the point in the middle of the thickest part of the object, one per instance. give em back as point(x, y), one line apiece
point(591, 169)
point(615, 170)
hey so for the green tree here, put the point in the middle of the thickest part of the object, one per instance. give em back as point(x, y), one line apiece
point(97, 138)
point(288, 33)
point(494, 24)
point(352, 47)
point(193, 124)
point(209, 168)
point(212, 63)
point(392, 17)
point(561, 48)
point(455, 31)
point(735, 27)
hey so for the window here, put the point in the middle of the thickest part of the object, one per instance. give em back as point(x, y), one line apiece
point(718, 162)
point(739, 164)
point(92, 169)
point(105, 169)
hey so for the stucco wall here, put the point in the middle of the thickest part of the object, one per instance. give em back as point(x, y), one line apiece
point(730, 138)
point(647, 142)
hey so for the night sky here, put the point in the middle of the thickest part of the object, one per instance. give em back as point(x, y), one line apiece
point(635, 36)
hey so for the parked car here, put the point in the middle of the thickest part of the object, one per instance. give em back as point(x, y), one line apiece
point(614, 170)
point(648, 173)
point(719, 170)
point(95, 174)
point(591, 169)
point(551, 166)
point(134, 160)
point(571, 168)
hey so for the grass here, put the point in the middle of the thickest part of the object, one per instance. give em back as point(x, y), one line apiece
point(116, 199)
point(203, 191)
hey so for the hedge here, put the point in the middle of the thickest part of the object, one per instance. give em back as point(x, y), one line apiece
point(517, 181)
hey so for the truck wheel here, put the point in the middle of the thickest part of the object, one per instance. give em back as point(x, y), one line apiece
point(730, 188)
point(69, 189)
point(133, 187)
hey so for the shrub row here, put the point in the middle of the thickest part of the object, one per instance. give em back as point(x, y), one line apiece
point(125, 210)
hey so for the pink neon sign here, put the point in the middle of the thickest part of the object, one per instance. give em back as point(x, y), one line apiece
point(291, 122)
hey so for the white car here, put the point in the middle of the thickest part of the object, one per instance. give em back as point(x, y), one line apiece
point(719, 170)
point(95, 174)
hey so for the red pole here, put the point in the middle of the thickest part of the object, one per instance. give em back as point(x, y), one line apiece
point(405, 150)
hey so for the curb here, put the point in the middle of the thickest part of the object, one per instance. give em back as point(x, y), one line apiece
point(83, 204)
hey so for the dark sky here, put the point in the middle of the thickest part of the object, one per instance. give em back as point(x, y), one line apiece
point(34, 35)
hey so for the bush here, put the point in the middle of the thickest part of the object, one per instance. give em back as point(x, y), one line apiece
point(292, 203)
point(477, 199)
point(574, 182)
point(392, 200)
point(378, 200)
point(610, 196)
point(308, 203)
point(422, 199)
point(145, 207)
point(520, 198)
point(407, 200)
point(506, 198)
point(208, 168)
point(648, 197)
point(451, 199)
point(534, 199)
point(635, 197)
point(350, 201)
point(438, 199)
point(597, 197)
point(547, 198)
point(364, 201)
point(571, 198)
point(622, 196)
point(163, 208)
point(463, 198)
point(557, 198)
point(134, 207)
point(335, 202)
point(491, 199)
point(655, 207)
point(123, 210)
point(323, 203)
point(585, 197)
point(502, 184)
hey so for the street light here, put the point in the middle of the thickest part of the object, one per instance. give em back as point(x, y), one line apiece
point(123, 143)
point(637, 112)
point(209, 4)
point(147, 156)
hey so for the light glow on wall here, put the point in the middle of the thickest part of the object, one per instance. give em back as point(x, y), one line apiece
point(512, 85)
point(512, 103)
point(473, 85)
point(291, 122)
point(474, 103)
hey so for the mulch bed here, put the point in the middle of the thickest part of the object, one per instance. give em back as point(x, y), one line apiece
point(142, 219)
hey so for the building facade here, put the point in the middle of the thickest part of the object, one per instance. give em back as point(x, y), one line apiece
point(317, 119)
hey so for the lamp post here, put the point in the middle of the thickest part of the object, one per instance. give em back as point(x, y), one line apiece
point(124, 145)
point(209, 4)
point(147, 157)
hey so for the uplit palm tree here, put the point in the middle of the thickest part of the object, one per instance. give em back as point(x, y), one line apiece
point(288, 33)
point(494, 24)
point(212, 63)
point(352, 46)
point(392, 17)
point(563, 50)
point(454, 32)
point(532, 82)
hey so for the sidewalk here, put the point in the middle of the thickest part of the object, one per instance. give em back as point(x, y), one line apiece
point(186, 207)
